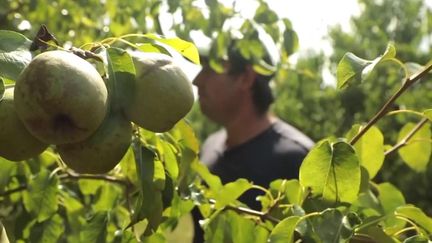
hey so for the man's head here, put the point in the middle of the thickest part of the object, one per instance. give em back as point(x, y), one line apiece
point(224, 95)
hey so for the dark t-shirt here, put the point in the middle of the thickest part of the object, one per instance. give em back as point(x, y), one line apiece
point(273, 154)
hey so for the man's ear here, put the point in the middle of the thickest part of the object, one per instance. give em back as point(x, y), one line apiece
point(248, 77)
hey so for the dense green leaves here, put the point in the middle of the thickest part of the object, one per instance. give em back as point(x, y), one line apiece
point(160, 178)
point(41, 198)
point(332, 171)
point(14, 54)
point(418, 150)
point(95, 229)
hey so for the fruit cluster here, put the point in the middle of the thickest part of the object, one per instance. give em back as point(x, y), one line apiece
point(60, 99)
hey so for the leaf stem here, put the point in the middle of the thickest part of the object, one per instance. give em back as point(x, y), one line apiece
point(404, 230)
point(384, 110)
point(370, 223)
point(405, 140)
point(243, 210)
point(73, 175)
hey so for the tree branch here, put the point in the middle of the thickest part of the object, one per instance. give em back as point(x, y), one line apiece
point(384, 110)
point(405, 140)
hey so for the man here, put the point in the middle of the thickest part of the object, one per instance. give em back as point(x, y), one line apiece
point(253, 143)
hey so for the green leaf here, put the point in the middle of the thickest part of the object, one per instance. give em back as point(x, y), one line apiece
point(389, 53)
point(428, 113)
point(417, 152)
point(51, 229)
point(369, 148)
point(14, 54)
point(416, 215)
point(107, 198)
point(121, 71)
point(284, 230)
point(170, 160)
point(95, 229)
point(291, 188)
point(290, 40)
point(185, 136)
point(2, 88)
point(331, 226)
point(159, 175)
point(185, 48)
point(150, 47)
point(230, 192)
point(265, 15)
point(391, 198)
point(213, 181)
point(89, 187)
point(41, 196)
point(332, 172)
point(349, 69)
point(149, 204)
point(352, 68)
point(128, 168)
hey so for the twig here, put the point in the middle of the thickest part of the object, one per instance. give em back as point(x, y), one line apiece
point(72, 175)
point(243, 210)
point(11, 191)
point(405, 140)
point(383, 111)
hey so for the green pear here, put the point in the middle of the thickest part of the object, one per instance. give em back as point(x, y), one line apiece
point(60, 98)
point(102, 151)
point(16, 143)
point(162, 93)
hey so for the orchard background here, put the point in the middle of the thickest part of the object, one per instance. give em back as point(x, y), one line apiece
point(390, 39)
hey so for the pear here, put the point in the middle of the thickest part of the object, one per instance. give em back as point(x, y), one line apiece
point(60, 98)
point(162, 93)
point(16, 143)
point(102, 151)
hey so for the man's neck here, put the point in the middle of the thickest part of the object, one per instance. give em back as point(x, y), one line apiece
point(244, 128)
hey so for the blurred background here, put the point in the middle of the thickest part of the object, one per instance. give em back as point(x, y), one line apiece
point(312, 36)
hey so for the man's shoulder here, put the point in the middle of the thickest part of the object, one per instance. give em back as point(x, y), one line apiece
point(292, 133)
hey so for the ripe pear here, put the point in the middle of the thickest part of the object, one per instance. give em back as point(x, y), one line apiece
point(162, 93)
point(16, 143)
point(103, 150)
point(60, 98)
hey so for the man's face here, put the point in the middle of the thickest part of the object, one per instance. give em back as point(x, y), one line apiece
point(218, 93)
